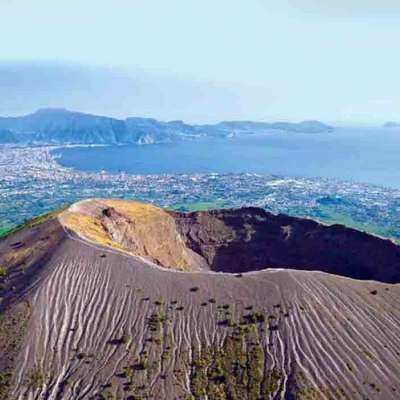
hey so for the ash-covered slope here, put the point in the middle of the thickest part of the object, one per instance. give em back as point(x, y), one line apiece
point(83, 317)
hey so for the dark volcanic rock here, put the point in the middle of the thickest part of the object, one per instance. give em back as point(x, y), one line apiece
point(251, 239)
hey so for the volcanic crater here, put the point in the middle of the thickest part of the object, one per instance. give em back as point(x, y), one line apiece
point(124, 300)
point(234, 240)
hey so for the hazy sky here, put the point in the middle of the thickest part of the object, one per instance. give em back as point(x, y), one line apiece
point(334, 60)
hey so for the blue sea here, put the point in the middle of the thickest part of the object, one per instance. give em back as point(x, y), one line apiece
point(364, 155)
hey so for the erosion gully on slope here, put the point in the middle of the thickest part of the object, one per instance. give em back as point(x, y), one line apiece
point(103, 323)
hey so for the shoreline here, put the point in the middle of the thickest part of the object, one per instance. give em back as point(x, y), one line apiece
point(32, 182)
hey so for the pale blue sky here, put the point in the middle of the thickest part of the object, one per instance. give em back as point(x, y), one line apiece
point(207, 60)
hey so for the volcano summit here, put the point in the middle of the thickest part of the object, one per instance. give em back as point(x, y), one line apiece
point(115, 299)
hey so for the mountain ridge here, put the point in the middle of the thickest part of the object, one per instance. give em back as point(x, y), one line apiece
point(60, 126)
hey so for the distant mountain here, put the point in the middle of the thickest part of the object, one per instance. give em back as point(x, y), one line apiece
point(392, 124)
point(60, 126)
point(264, 127)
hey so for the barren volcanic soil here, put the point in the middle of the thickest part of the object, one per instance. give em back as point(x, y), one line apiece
point(112, 299)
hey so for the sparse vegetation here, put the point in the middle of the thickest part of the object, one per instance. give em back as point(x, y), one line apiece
point(154, 324)
point(141, 365)
point(257, 317)
point(3, 273)
point(375, 387)
point(12, 329)
point(34, 221)
point(349, 366)
point(5, 381)
point(234, 370)
point(271, 383)
point(124, 339)
point(36, 378)
point(81, 356)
